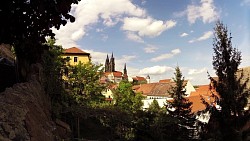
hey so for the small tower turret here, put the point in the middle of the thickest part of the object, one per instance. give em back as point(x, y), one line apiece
point(148, 79)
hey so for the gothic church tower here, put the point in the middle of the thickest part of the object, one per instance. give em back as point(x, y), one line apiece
point(110, 64)
point(107, 64)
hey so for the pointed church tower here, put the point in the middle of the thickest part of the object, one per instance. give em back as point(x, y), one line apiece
point(125, 75)
point(112, 64)
point(107, 64)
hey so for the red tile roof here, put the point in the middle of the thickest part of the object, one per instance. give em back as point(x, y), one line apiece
point(165, 81)
point(139, 78)
point(202, 92)
point(197, 103)
point(75, 50)
point(154, 89)
point(116, 73)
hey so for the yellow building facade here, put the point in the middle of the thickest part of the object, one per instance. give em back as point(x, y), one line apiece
point(76, 56)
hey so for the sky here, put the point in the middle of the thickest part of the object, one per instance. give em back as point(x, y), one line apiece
point(154, 36)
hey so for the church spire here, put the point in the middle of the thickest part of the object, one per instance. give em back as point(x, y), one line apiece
point(112, 63)
point(125, 75)
point(125, 69)
point(112, 55)
point(107, 64)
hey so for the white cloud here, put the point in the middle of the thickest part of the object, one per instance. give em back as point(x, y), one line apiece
point(184, 34)
point(119, 62)
point(126, 58)
point(176, 51)
point(89, 12)
point(205, 36)
point(97, 57)
point(100, 57)
point(155, 70)
point(245, 3)
point(143, 2)
point(196, 71)
point(99, 30)
point(134, 37)
point(205, 11)
point(146, 26)
point(104, 37)
point(166, 56)
point(150, 49)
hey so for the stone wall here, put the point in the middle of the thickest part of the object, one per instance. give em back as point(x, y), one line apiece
point(25, 114)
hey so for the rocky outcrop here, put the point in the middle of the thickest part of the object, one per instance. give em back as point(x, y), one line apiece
point(25, 114)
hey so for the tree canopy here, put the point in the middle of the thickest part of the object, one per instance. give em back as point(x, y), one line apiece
point(180, 108)
point(30, 19)
point(126, 99)
point(231, 89)
point(26, 24)
point(84, 82)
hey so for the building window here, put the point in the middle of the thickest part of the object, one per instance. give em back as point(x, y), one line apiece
point(75, 59)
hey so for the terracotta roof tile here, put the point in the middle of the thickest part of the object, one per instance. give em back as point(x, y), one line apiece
point(117, 74)
point(139, 78)
point(197, 103)
point(154, 89)
point(165, 81)
point(204, 92)
point(74, 50)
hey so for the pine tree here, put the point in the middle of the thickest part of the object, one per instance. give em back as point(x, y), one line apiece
point(230, 88)
point(180, 107)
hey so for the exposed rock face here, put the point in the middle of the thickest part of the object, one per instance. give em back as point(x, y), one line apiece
point(25, 113)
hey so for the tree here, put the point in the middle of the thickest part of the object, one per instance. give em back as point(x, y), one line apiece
point(26, 25)
point(53, 64)
point(126, 99)
point(181, 108)
point(154, 107)
point(84, 81)
point(230, 88)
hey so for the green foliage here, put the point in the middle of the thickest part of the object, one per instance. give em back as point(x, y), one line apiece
point(84, 81)
point(27, 24)
point(181, 108)
point(32, 19)
point(154, 107)
point(231, 89)
point(181, 105)
point(226, 60)
point(125, 98)
point(53, 83)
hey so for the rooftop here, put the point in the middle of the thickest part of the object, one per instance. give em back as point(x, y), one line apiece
point(75, 50)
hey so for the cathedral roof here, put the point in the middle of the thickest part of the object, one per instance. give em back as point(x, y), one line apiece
point(115, 74)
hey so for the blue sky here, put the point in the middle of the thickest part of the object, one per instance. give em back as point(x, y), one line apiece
point(154, 36)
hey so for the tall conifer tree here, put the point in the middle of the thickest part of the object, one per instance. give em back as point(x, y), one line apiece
point(180, 108)
point(230, 88)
